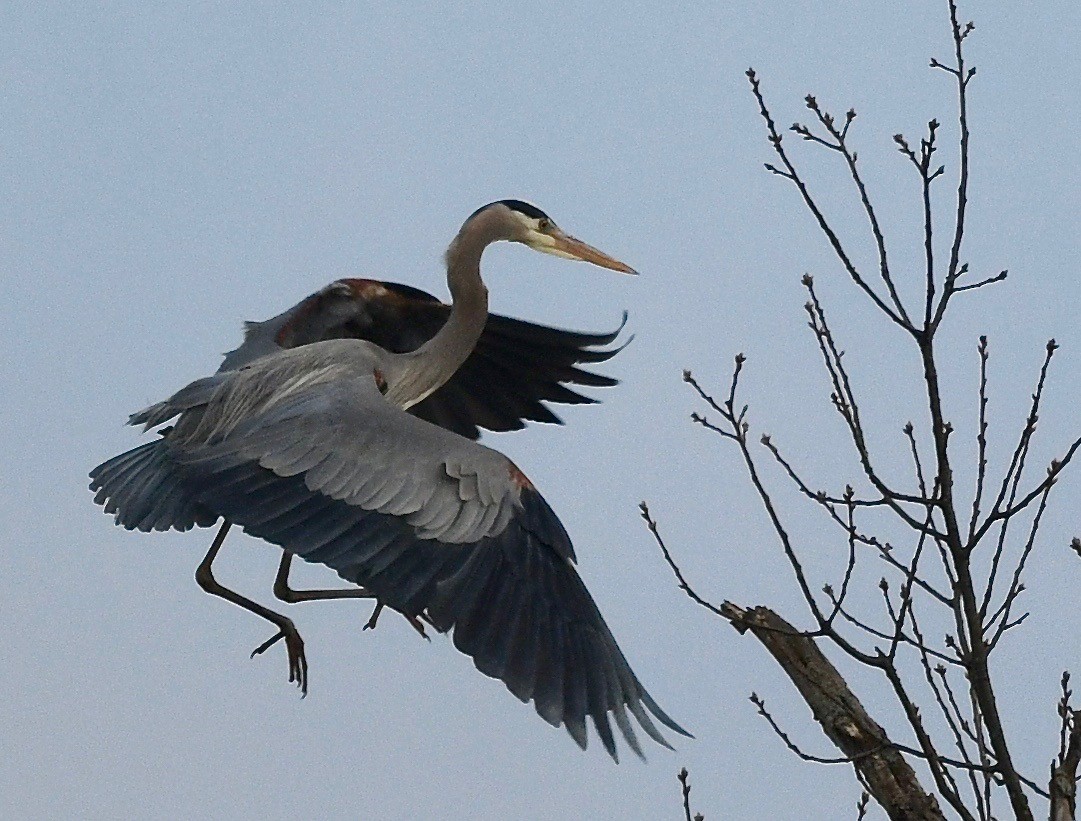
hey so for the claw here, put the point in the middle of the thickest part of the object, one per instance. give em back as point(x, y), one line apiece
point(266, 645)
point(294, 647)
point(413, 621)
point(298, 662)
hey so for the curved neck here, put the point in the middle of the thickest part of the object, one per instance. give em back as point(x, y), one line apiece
point(420, 373)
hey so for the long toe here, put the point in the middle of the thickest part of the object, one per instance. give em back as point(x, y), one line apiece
point(298, 662)
point(266, 645)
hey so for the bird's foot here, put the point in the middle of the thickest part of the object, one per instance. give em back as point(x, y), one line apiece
point(375, 616)
point(294, 647)
point(413, 621)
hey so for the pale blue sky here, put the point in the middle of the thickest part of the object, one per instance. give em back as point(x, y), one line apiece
point(169, 172)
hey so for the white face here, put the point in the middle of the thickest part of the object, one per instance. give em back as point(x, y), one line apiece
point(541, 234)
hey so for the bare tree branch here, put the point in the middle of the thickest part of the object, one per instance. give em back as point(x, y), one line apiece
point(1064, 771)
point(685, 783)
point(1001, 275)
point(938, 512)
point(684, 585)
point(981, 441)
point(861, 806)
point(839, 136)
point(842, 717)
point(790, 173)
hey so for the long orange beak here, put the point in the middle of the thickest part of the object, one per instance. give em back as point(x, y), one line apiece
point(564, 245)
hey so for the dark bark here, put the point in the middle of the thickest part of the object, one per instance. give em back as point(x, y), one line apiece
point(879, 765)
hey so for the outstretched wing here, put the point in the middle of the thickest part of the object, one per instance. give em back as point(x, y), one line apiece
point(431, 523)
point(516, 367)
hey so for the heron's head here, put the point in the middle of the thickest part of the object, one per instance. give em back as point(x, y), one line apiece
point(519, 221)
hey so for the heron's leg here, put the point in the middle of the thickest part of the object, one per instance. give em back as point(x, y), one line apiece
point(375, 616)
point(294, 644)
point(287, 594)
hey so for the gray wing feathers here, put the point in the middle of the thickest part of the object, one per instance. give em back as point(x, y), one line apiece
point(512, 601)
point(351, 444)
point(199, 392)
point(260, 339)
point(432, 523)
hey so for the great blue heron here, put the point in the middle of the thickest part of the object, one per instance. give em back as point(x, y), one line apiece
point(515, 367)
point(309, 449)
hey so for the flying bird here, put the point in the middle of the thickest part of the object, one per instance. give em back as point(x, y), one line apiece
point(515, 367)
point(310, 450)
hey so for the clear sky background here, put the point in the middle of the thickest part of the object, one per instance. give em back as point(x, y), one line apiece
point(166, 172)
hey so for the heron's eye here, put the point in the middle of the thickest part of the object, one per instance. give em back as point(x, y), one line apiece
point(544, 224)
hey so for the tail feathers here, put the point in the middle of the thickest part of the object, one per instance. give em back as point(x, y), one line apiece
point(143, 488)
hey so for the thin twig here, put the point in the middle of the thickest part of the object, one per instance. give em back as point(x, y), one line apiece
point(839, 135)
point(738, 429)
point(685, 783)
point(1001, 275)
point(684, 585)
point(790, 173)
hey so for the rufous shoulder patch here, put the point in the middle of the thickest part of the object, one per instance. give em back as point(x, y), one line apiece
point(284, 338)
point(380, 380)
point(368, 289)
point(518, 478)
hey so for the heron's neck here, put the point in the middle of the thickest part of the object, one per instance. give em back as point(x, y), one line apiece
point(426, 369)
